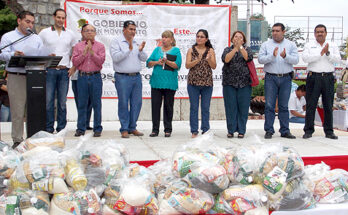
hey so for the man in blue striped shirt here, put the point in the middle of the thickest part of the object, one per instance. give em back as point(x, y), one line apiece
point(278, 56)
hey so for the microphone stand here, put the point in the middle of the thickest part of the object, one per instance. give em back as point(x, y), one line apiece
point(16, 41)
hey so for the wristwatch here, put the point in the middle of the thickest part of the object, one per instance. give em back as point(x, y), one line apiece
point(327, 53)
point(241, 47)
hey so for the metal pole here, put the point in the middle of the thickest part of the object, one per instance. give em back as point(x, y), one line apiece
point(248, 24)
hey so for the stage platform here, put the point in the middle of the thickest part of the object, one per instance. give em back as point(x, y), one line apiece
point(156, 148)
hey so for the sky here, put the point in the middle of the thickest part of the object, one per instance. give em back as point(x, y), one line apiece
point(307, 8)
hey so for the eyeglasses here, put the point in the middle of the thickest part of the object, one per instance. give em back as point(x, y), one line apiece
point(200, 37)
point(86, 31)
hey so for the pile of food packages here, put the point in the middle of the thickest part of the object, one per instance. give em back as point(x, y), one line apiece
point(45, 176)
point(338, 103)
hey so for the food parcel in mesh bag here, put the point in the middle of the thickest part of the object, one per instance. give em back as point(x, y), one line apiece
point(74, 174)
point(132, 193)
point(281, 165)
point(9, 160)
point(241, 199)
point(102, 162)
point(25, 202)
point(181, 198)
point(201, 162)
point(242, 164)
point(3, 145)
point(162, 170)
point(39, 171)
point(43, 138)
point(330, 186)
point(43, 170)
point(272, 167)
point(298, 195)
point(76, 203)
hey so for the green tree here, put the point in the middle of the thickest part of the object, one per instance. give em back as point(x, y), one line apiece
point(344, 49)
point(8, 20)
point(294, 35)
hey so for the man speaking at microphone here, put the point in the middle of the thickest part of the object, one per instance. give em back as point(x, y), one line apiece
point(30, 45)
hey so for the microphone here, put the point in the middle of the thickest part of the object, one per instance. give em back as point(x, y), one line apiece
point(30, 31)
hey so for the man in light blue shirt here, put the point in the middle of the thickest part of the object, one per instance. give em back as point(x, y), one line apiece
point(278, 56)
point(30, 45)
point(127, 56)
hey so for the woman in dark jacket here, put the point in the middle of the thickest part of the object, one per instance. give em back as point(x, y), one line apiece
point(236, 84)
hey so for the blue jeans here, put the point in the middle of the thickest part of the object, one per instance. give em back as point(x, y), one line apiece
point(5, 114)
point(57, 81)
point(237, 102)
point(194, 93)
point(89, 88)
point(277, 87)
point(297, 120)
point(129, 91)
point(76, 95)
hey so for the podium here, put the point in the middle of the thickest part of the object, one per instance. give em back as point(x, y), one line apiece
point(35, 67)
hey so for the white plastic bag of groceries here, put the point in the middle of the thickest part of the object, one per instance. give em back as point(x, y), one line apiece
point(43, 138)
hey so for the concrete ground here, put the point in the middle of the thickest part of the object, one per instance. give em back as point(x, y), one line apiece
point(155, 148)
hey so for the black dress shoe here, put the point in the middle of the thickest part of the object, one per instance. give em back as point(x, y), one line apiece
point(306, 136)
point(97, 134)
point(240, 136)
point(288, 135)
point(268, 135)
point(15, 144)
point(89, 128)
point(79, 133)
point(167, 134)
point(331, 136)
point(153, 134)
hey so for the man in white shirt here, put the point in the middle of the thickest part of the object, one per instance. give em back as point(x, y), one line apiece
point(28, 44)
point(297, 105)
point(320, 56)
point(59, 41)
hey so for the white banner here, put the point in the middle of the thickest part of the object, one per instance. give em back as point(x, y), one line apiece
point(152, 20)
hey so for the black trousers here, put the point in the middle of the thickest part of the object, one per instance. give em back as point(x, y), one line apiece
point(156, 103)
point(317, 84)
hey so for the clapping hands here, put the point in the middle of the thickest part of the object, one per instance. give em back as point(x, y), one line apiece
point(88, 48)
point(162, 61)
point(282, 54)
point(325, 49)
point(209, 55)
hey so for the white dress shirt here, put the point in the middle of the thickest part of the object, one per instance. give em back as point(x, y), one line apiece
point(318, 63)
point(296, 104)
point(59, 44)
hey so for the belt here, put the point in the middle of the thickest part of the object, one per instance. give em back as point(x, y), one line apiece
point(320, 73)
point(128, 74)
point(89, 73)
point(279, 75)
point(17, 73)
point(60, 67)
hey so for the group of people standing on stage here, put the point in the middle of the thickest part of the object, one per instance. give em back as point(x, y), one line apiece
point(82, 60)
